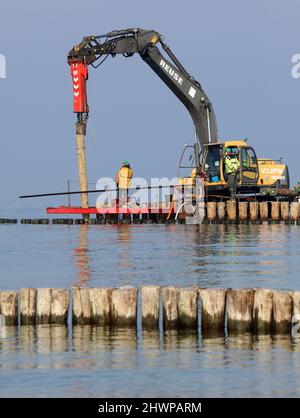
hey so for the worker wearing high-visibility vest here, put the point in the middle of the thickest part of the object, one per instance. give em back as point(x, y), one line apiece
point(232, 166)
point(123, 180)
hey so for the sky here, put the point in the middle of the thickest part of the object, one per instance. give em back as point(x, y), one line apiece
point(240, 52)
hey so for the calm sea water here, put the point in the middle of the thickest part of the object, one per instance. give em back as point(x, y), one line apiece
point(89, 361)
point(185, 255)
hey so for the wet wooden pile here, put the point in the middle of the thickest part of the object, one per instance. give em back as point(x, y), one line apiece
point(210, 310)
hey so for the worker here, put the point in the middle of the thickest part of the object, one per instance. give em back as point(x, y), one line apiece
point(232, 166)
point(123, 180)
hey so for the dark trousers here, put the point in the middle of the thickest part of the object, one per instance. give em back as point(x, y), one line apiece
point(232, 182)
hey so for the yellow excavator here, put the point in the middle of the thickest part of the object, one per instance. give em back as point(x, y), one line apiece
point(256, 175)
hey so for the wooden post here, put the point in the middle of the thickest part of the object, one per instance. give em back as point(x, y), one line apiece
point(263, 310)
point(9, 307)
point(275, 212)
point(213, 310)
point(239, 307)
point(81, 310)
point(124, 307)
point(100, 300)
point(285, 211)
point(253, 207)
point(231, 210)
point(28, 299)
point(150, 306)
point(170, 307)
point(296, 313)
point(282, 311)
point(187, 308)
point(59, 306)
point(295, 211)
point(211, 211)
point(43, 305)
point(82, 172)
point(243, 211)
point(221, 211)
point(264, 211)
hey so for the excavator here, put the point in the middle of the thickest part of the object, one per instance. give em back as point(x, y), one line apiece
point(258, 176)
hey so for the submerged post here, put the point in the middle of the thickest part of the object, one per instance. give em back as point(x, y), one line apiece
point(231, 211)
point(187, 308)
point(150, 306)
point(124, 307)
point(9, 307)
point(285, 211)
point(211, 211)
point(59, 306)
point(28, 298)
point(221, 211)
point(81, 309)
point(253, 208)
point(100, 300)
point(170, 307)
point(264, 211)
point(263, 311)
point(82, 172)
point(213, 310)
point(275, 211)
point(243, 211)
point(240, 303)
point(43, 308)
point(282, 311)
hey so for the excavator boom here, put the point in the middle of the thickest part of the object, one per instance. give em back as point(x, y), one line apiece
point(93, 50)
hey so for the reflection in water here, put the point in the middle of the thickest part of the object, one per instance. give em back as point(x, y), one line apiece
point(94, 361)
point(81, 256)
point(188, 255)
point(183, 255)
point(124, 260)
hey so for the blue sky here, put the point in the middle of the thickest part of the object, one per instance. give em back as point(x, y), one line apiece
point(239, 51)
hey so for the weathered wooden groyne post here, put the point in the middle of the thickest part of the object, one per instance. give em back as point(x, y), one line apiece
point(150, 306)
point(212, 310)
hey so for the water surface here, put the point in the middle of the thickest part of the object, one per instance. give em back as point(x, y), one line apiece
point(99, 255)
point(90, 361)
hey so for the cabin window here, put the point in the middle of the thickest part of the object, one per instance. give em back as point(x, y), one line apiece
point(249, 158)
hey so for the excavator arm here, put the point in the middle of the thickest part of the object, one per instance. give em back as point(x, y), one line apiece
point(93, 50)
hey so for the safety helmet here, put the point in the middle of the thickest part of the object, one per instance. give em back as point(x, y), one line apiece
point(125, 163)
point(228, 150)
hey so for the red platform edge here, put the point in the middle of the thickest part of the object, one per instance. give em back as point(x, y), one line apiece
point(75, 210)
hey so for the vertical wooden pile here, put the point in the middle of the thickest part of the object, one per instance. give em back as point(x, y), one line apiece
point(212, 310)
point(180, 308)
point(253, 210)
point(28, 301)
point(52, 306)
point(124, 307)
point(150, 296)
point(243, 212)
point(9, 307)
point(221, 211)
point(231, 211)
point(264, 212)
point(239, 309)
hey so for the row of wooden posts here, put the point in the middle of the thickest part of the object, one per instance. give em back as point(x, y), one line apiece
point(253, 211)
point(215, 310)
point(216, 212)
